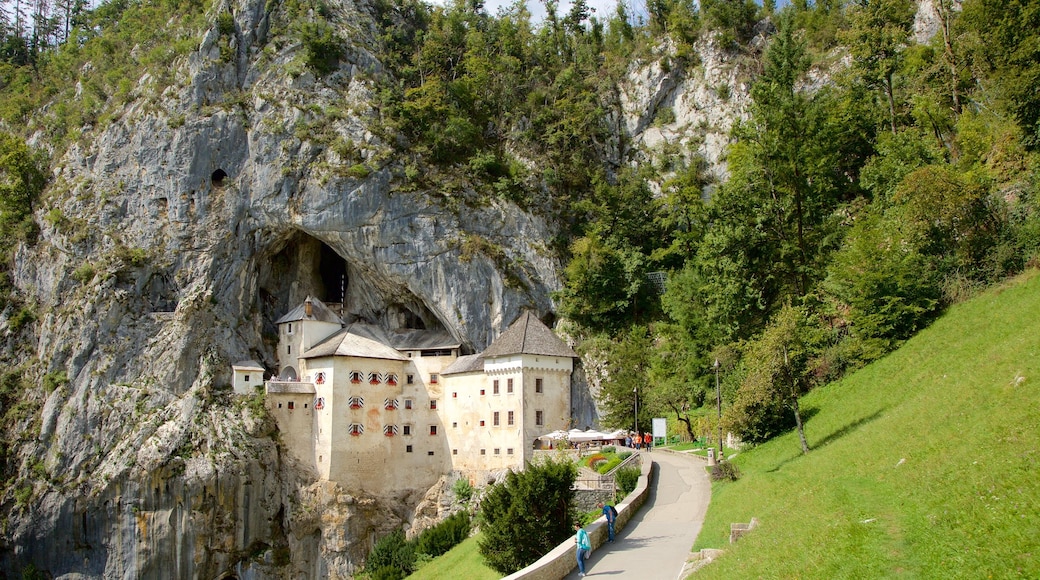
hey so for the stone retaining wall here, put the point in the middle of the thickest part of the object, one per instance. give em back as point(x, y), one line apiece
point(561, 560)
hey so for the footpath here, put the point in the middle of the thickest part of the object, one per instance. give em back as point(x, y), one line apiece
point(656, 543)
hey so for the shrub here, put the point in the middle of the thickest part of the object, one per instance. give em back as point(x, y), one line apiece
point(392, 552)
point(359, 171)
point(606, 466)
point(462, 489)
point(84, 273)
point(322, 49)
point(54, 379)
point(627, 478)
point(226, 24)
point(444, 536)
point(527, 515)
point(724, 471)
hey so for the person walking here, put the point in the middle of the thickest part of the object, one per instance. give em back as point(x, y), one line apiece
point(581, 539)
point(611, 514)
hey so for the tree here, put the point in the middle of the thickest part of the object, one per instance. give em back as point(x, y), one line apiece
point(777, 364)
point(527, 515)
point(877, 37)
point(625, 378)
point(22, 179)
point(677, 376)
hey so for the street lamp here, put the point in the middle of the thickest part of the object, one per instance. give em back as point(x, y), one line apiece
point(635, 395)
point(718, 401)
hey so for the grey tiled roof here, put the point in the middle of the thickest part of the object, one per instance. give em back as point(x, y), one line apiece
point(248, 365)
point(465, 364)
point(411, 339)
point(359, 340)
point(319, 311)
point(528, 335)
point(290, 387)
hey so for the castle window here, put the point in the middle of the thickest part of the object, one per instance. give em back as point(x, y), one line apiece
point(279, 405)
point(407, 429)
point(494, 387)
point(356, 402)
point(407, 448)
point(429, 452)
point(288, 349)
point(538, 385)
point(319, 403)
point(498, 451)
point(390, 404)
point(509, 451)
point(410, 379)
point(433, 403)
point(434, 379)
point(356, 377)
point(483, 451)
point(391, 379)
point(454, 395)
point(373, 378)
point(320, 379)
point(494, 419)
point(292, 405)
point(454, 451)
point(510, 418)
point(356, 429)
point(481, 392)
point(289, 329)
point(538, 418)
point(407, 403)
point(247, 378)
point(390, 430)
point(433, 429)
point(509, 385)
point(481, 422)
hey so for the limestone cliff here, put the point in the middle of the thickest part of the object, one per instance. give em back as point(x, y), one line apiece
point(177, 233)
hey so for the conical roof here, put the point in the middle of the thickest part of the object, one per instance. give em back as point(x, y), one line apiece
point(319, 312)
point(528, 335)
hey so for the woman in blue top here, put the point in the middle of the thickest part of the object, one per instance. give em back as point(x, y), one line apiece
point(581, 539)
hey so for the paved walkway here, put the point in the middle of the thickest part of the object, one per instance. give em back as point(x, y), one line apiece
point(656, 542)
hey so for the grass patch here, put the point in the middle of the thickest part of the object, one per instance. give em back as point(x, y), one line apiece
point(462, 561)
point(924, 464)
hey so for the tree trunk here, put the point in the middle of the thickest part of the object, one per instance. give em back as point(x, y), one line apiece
point(798, 421)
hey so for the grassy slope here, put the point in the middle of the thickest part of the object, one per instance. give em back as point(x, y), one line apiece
point(462, 561)
point(925, 464)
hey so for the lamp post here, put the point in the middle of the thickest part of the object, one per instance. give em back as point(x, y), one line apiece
point(718, 401)
point(635, 415)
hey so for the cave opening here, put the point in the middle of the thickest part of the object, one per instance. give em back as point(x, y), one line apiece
point(218, 177)
point(296, 265)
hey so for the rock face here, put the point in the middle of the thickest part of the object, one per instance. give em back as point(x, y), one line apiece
point(184, 229)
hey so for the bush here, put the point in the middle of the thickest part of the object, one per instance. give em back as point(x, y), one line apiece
point(445, 535)
point(54, 379)
point(392, 552)
point(627, 478)
point(462, 490)
point(527, 515)
point(84, 273)
point(724, 471)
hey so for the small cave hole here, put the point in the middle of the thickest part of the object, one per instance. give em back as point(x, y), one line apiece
point(218, 178)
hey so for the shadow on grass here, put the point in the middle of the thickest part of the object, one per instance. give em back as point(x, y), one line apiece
point(832, 437)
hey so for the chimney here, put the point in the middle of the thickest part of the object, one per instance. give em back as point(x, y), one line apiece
point(308, 308)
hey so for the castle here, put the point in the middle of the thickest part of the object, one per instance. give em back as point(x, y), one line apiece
point(391, 411)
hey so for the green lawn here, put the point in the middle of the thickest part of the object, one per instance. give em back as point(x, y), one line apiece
point(925, 464)
point(462, 561)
